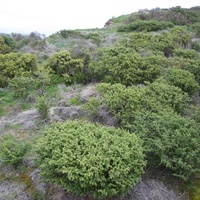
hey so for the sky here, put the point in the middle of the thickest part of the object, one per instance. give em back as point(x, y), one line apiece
point(50, 16)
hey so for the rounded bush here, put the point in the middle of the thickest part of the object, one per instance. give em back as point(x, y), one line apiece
point(171, 140)
point(182, 79)
point(90, 160)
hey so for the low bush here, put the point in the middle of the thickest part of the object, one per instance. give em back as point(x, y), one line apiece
point(146, 25)
point(22, 86)
point(172, 141)
point(71, 70)
point(12, 150)
point(115, 66)
point(16, 64)
point(89, 159)
point(182, 79)
point(158, 97)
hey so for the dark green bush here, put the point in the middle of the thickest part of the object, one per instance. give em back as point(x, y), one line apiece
point(146, 25)
point(4, 48)
point(196, 28)
point(172, 141)
point(195, 46)
point(89, 159)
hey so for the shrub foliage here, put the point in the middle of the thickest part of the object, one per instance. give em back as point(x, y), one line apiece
point(172, 141)
point(12, 150)
point(90, 159)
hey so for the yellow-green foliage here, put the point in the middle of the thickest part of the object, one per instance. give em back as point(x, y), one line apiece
point(16, 64)
point(195, 193)
point(157, 97)
point(63, 65)
point(12, 150)
point(182, 79)
point(116, 65)
point(90, 159)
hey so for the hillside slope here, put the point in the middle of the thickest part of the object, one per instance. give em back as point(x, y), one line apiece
point(139, 74)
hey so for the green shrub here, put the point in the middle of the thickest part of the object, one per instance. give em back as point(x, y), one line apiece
point(16, 64)
point(9, 41)
point(89, 159)
point(92, 105)
point(22, 86)
point(4, 48)
point(158, 44)
point(196, 28)
point(172, 141)
point(195, 46)
point(182, 79)
point(143, 25)
point(158, 97)
point(63, 65)
point(12, 150)
point(126, 67)
point(42, 106)
point(191, 65)
point(191, 54)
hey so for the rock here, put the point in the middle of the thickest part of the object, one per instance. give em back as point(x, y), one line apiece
point(27, 119)
point(65, 113)
point(2, 126)
point(12, 190)
point(87, 92)
point(29, 161)
point(39, 185)
point(31, 99)
point(56, 193)
point(109, 40)
point(62, 103)
point(151, 189)
point(105, 117)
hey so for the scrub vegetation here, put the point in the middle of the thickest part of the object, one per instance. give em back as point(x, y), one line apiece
point(144, 69)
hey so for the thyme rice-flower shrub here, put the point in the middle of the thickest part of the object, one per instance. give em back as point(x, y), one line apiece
point(90, 159)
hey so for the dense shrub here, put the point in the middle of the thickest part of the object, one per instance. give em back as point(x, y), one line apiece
point(15, 65)
point(195, 46)
point(22, 86)
point(172, 141)
point(12, 150)
point(71, 69)
point(196, 28)
point(149, 25)
point(159, 44)
point(7, 44)
point(190, 54)
point(191, 65)
point(89, 159)
point(157, 97)
point(125, 67)
point(182, 79)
